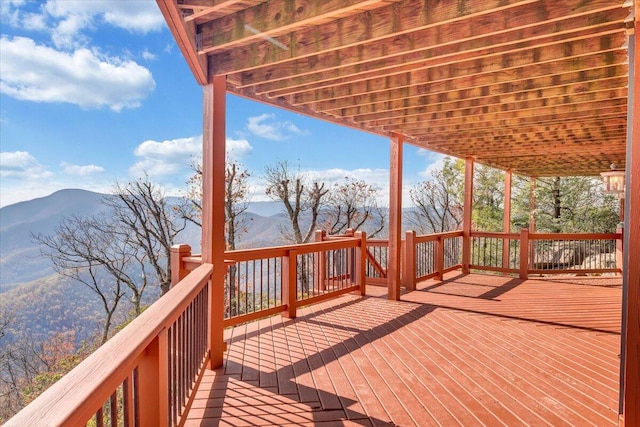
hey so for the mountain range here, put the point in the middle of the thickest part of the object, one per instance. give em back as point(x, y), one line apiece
point(39, 301)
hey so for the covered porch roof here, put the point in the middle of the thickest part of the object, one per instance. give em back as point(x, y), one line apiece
point(535, 86)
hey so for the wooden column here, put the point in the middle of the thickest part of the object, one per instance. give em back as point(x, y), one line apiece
point(395, 218)
point(631, 297)
point(506, 217)
point(213, 189)
point(532, 205)
point(467, 214)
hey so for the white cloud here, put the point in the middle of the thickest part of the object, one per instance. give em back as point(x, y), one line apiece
point(85, 170)
point(175, 156)
point(86, 78)
point(237, 148)
point(435, 161)
point(148, 56)
point(266, 126)
point(165, 158)
point(21, 165)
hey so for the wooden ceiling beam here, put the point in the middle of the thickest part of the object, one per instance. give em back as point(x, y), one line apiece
point(393, 19)
point(329, 99)
point(596, 112)
point(600, 44)
point(536, 107)
point(473, 99)
point(573, 127)
point(273, 18)
point(483, 35)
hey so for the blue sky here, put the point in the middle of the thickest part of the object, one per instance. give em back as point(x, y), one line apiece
point(93, 92)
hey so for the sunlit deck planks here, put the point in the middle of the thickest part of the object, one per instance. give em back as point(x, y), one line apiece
point(472, 350)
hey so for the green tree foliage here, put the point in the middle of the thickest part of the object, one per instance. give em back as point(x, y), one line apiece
point(563, 204)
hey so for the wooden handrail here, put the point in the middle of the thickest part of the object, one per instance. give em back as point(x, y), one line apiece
point(76, 397)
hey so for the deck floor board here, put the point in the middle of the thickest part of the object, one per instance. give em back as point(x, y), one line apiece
point(472, 350)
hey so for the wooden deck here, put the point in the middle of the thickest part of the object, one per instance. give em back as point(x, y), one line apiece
point(471, 350)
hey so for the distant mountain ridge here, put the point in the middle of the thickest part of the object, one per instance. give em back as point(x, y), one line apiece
point(20, 259)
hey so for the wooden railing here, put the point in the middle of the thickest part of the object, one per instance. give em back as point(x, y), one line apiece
point(266, 281)
point(522, 254)
point(430, 256)
point(144, 375)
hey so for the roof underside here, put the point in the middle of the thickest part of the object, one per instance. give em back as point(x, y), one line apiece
point(539, 87)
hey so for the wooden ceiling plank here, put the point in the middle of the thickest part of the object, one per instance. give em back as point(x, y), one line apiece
point(448, 44)
point(473, 123)
point(327, 99)
point(578, 126)
point(364, 29)
point(514, 110)
point(466, 99)
point(273, 18)
point(499, 62)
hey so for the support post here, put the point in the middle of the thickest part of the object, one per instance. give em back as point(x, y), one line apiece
point(630, 355)
point(439, 258)
point(213, 216)
point(620, 249)
point(395, 218)
point(467, 215)
point(409, 261)
point(153, 386)
point(361, 262)
point(178, 272)
point(524, 253)
point(506, 218)
point(289, 283)
point(320, 270)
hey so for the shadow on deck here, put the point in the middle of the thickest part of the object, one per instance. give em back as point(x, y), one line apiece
point(470, 350)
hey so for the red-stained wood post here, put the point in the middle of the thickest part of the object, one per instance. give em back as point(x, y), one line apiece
point(439, 258)
point(467, 215)
point(320, 269)
point(213, 193)
point(178, 272)
point(620, 249)
point(153, 387)
point(631, 329)
point(506, 218)
point(395, 218)
point(290, 283)
point(409, 261)
point(524, 253)
point(361, 262)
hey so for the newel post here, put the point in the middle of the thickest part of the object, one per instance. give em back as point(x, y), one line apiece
point(289, 283)
point(524, 253)
point(361, 262)
point(320, 270)
point(153, 383)
point(620, 248)
point(409, 261)
point(178, 272)
point(439, 258)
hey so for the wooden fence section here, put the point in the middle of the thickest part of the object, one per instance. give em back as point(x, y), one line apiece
point(429, 256)
point(266, 281)
point(144, 375)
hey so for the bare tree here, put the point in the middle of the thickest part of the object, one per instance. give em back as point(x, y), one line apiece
point(352, 204)
point(438, 200)
point(90, 252)
point(298, 196)
point(236, 199)
point(142, 212)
